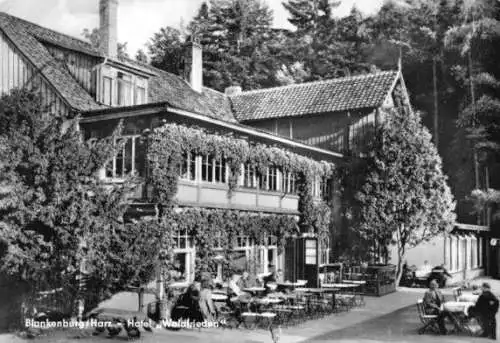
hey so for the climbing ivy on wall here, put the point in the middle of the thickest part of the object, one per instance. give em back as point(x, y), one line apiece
point(168, 146)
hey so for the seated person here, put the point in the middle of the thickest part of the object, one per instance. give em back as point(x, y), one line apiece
point(235, 290)
point(433, 299)
point(270, 281)
point(476, 290)
point(188, 305)
point(233, 285)
point(246, 281)
point(206, 303)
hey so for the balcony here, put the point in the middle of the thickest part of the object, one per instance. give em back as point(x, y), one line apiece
point(212, 195)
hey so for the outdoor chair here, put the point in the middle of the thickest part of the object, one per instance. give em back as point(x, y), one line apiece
point(457, 292)
point(345, 301)
point(429, 321)
point(283, 315)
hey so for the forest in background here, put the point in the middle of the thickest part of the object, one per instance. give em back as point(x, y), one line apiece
point(448, 50)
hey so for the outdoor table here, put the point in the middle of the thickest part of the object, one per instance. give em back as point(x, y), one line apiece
point(458, 310)
point(219, 297)
point(341, 285)
point(254, 290)
point(457, 307)
point(269, 301)
point(289, 285)
point(468, 297)
point(179, 285)
point(315, 290)
point(356, 282)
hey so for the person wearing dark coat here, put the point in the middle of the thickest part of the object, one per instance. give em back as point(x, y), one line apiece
point(188, 306)
point(486, 308)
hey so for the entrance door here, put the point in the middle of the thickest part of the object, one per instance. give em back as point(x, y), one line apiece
point(290, 260)
point(311, 261)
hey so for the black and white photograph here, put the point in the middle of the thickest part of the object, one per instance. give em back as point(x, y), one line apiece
point(256, 171)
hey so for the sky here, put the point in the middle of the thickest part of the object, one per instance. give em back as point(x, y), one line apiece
point(138, 19)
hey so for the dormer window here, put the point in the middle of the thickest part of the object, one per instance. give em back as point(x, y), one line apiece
point(140, 95)
point(107, 91)
point(124, 89)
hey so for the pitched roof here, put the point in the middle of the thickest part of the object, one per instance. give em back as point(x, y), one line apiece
point(30, 38)
point(348, 93)
point(57, 75)
point(342, 94)
point(167, 87)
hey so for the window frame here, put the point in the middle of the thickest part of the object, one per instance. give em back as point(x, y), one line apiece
point(104, 100)
point(188, 168)
point(133, 170)
point(308, 256)
point(188, 249)
point(210, 165)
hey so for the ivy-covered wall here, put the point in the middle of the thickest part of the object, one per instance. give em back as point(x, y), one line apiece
point(169, 144)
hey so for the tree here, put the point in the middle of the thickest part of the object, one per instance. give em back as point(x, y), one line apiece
point(475, 40)
point(404, 198)
point(166, 50)
point(240, 45)
point(56, 215)
point(327, 47)
point(93, 36)
point(141, 56)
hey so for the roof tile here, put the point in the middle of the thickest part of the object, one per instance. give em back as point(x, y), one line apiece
point(349, 93)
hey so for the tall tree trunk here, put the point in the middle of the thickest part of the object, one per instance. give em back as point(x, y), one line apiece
point(436, 109)
point(401, 254)
point(473, 102)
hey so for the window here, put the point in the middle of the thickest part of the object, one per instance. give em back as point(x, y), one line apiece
point(239, 257)
point(462, 249)
point(272, 184)
point(140, 95)
point(453, 253)
point(288, 183)
point(324, 249)
point(316, 188)
point(129, 159)
point(249, 177)
point(184, 254)
point(107, 91)
point(188, 167)
point(182, 240)
point(213, 170)
point(124, 89)
point(220, 171)
point(311, 251)
point(269, 181)
point(480, 251)
point(473, 253)
point(325, 189)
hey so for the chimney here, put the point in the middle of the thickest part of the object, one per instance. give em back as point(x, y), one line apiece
point(233, 90)
point(193, 65)
point(108, 28)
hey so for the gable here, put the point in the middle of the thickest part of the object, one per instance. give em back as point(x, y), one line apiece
point(46, 65)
